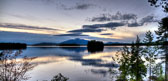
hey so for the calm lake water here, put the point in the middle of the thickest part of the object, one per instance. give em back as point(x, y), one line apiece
point(77, 64)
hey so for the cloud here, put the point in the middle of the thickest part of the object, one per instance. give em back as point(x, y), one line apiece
point(78, 6)
point(117, 16)
point(148, 19)
point(130, 19)
point(106, 25)
point(86, 30)
point(114, 25)
point(106, 34)
point(134, 24)
point(143, 21)
point(72, 34)
point(20, 26)
point(98, 27)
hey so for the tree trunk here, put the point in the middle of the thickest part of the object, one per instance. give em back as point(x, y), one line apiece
point(166, 63)
point(166, 68)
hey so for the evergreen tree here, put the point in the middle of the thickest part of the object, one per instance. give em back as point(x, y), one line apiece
point(163, 39)
point(132, 66)
point(150, 53)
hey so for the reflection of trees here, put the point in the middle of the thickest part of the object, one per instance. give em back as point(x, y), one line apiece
point(59, 77)
point(135, 60)
point(12, 68)
point(132, 66)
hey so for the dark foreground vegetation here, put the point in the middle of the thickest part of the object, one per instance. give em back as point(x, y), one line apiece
point(13, 46)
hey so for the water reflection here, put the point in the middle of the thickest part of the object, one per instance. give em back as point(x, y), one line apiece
point(129, 64)
point(77, 66)
point(142, 63)
point(75, 49)
point(12, 68)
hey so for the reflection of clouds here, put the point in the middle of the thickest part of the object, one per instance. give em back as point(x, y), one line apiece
point(49, 59)
point(103, 59)
point(99, 71)
point(95, 62)
point(106, 56)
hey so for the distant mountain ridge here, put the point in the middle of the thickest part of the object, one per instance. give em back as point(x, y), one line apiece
point(45, 44)
point(113, 43)
point(76, 41)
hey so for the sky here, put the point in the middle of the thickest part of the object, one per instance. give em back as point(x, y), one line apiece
point(35, 21)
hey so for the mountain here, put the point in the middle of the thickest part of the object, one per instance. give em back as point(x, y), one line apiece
point(45, 44)
point(113, 43)
point(77, 41)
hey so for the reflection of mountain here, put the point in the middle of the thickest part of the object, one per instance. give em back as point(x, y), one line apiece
point(77, 41)
point(45, 44)
point(75, 49)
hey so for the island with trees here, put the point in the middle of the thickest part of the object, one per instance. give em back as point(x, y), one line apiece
point(13, 46)
point(95, 46)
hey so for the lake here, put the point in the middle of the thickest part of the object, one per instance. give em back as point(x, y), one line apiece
point(75, 63)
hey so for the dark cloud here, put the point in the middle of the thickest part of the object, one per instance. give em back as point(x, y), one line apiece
point(87, 30)
point(98, 27)
point(129, 19)
point(148, 19)
point(117, 16)
point(114, 25)
point(78, 6)
point(72, 34)
point(20, 26)
point(106, 25)
point(134, 24)
point(143, 21)
point(106, 34)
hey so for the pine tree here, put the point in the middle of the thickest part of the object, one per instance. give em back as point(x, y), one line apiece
point(150, 52)
point(163, 39)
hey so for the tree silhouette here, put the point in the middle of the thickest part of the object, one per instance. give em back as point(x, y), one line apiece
point(95, 46)
point(162, 33)
point(59, 77)
point(150, 53)
point(12, 68)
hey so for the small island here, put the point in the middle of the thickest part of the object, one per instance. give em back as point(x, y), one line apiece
point(95, 46)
